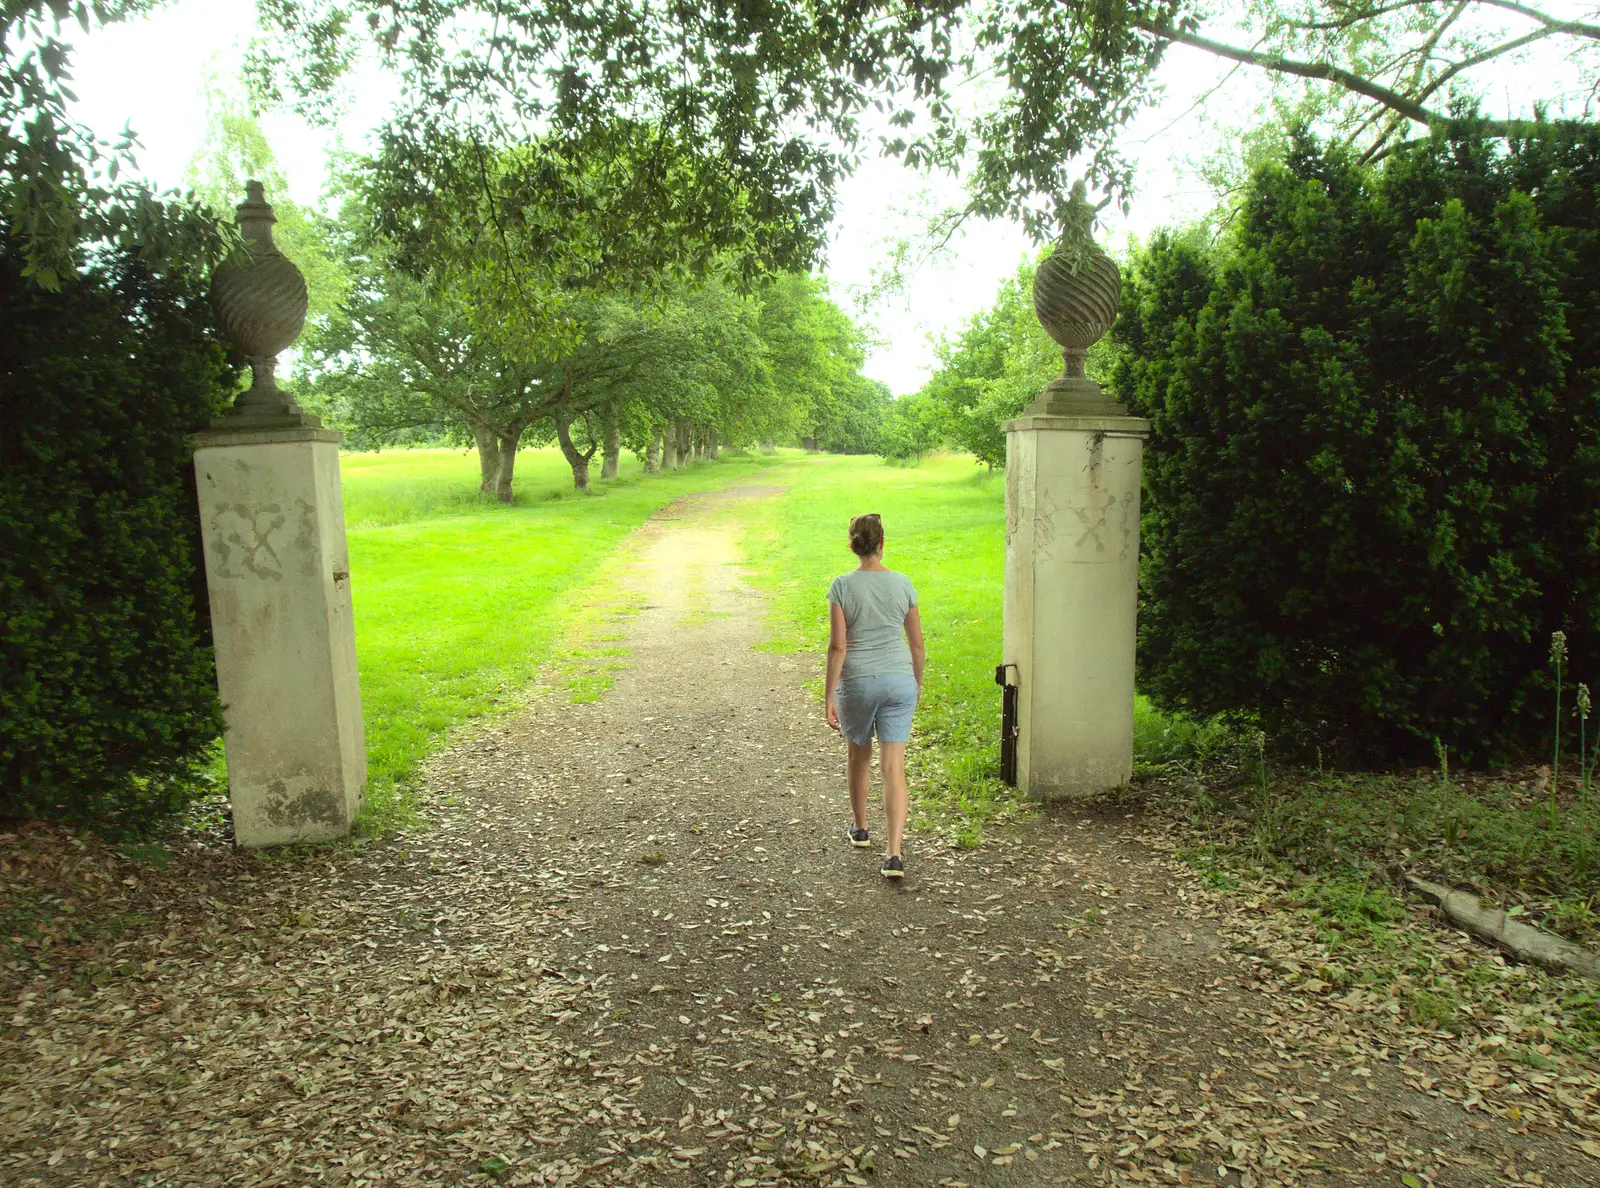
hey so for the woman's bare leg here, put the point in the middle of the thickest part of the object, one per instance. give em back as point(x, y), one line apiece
point(860, 780)
point(892, 759)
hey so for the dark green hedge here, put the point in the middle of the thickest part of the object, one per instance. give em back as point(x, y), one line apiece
point(1373, 489)
point(107, 692)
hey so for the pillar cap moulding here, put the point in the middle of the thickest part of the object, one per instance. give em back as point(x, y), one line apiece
point(260, 301)
point(1112, 425)
point(232, 431)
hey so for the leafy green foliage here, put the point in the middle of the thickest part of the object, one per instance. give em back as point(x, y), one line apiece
point(815, 353)
point(768, 97)
point(852, 419)
point(1373, 489)
point(912, 426)
point(62, 190)
point(519, 224)
point(766, 100)
point(108, 700)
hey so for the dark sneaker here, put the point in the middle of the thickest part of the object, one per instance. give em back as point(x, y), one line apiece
point(857, 837)
point(894, 866)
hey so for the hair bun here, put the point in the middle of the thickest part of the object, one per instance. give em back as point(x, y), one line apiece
point(866, 534)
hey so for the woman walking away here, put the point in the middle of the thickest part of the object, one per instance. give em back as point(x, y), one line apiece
point(875, 659)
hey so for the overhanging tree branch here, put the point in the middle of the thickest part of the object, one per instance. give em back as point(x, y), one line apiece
point(1479, 58)
point(1355, 14)
point(1576, 28)
point(1323, 71)
point(1424, 52)
point(1394, 100)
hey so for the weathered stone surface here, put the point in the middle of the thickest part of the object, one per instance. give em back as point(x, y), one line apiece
point(272, 523)
point(1071, 589)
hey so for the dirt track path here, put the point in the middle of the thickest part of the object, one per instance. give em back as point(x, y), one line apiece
point(633, 949)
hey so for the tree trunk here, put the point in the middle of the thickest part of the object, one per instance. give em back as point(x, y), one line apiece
point(767, 447)
point(488, 457)
point(613, 432)
point(684, 453)
point(711, 444)
point(810, 444)
point(576, 459)
point(652, 453)
point(506, 464)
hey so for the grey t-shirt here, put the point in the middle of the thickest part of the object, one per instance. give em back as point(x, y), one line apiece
point(875, 603)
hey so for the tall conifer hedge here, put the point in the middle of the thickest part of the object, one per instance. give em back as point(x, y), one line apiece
point(1373, 489)
point(107, 692)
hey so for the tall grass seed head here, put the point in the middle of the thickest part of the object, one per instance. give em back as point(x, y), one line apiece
point(1583, 700)
point(1558, 646)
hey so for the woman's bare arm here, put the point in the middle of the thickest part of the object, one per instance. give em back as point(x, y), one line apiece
point(836, 650)
point(919, 654)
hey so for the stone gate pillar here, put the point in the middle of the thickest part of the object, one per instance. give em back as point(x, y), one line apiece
point(277, 571)
point(1072, 549)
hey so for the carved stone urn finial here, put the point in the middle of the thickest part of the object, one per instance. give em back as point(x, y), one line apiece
point(1075, 295)
point(260, 301)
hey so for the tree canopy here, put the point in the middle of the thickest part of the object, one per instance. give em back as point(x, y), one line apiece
point(63, 190)
point(771, 103)
point(779, 96)
point(666, 364)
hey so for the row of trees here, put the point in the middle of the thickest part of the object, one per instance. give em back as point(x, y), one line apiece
point(407, 341)
point(673, 372)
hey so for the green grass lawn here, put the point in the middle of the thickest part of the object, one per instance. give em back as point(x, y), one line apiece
point(460, 601)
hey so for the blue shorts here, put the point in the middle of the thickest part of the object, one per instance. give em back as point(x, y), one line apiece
point(882, 702)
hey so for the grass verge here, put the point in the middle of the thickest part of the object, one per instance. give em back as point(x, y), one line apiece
point(1490, 833)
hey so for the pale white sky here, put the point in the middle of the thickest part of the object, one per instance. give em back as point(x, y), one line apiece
point(153, 74)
